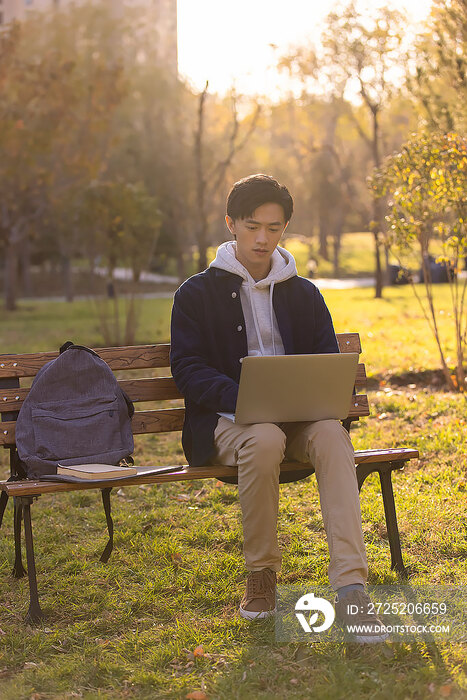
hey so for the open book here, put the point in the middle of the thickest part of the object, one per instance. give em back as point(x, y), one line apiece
point(100, 472)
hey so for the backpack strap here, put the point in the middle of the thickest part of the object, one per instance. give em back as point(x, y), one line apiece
point(110, 525)
point(4, 497)
point(129, 403)
point(70, 344)
point(3, 503)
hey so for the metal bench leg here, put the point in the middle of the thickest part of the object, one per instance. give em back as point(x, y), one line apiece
point(18, 569)
point(34, 613)
point(391, 522)
point(110, 525)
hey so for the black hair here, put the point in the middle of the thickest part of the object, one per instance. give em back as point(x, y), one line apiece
point(251, 192)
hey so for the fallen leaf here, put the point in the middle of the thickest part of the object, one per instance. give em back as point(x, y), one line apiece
point(30, 664)
point(294, 681)
point(382, 416)
point(219, 484)
point(244, 676)
point(182, 497)
point(2, 631)
point(176, 558)
point(196, 695)
point(431, 688)
point(445, 691)
point(201, 492)
point(199, 651)
point(301, 654)
point(387, 651)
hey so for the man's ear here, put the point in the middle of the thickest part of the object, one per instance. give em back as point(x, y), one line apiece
point(230, 225)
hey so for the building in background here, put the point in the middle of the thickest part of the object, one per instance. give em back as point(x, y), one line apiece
point(166, 20)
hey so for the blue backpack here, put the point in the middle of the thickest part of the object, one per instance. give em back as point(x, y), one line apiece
point(74, 413)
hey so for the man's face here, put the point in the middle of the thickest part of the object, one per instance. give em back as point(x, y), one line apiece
point(257, 237)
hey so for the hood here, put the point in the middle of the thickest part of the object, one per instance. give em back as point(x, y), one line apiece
point(282, 265)
point(263, 336)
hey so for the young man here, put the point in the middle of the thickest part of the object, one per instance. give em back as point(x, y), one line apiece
point(250, 301)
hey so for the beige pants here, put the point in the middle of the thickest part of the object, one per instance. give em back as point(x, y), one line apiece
point(257, 451)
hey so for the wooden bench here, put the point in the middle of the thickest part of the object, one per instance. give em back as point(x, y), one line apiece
point(14, 368)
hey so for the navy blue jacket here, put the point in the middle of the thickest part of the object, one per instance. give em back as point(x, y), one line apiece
point(209, 340)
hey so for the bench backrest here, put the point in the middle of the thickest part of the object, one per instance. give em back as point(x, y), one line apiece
point(14, 368)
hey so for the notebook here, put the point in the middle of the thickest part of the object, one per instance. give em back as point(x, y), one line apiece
point(290, 388)
point(78, 473)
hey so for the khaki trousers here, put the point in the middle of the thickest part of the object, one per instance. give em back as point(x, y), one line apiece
point(257, 451)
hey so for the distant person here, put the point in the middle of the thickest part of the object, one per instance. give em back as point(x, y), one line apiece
point(311, 268)
point(250, 301)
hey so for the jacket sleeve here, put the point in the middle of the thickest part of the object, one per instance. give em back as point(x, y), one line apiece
point(325, 336)
point(195, 378)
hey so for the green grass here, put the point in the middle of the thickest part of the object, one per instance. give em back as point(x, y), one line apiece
point(128, 629)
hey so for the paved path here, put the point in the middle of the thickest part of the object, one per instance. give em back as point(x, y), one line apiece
point(122, 274)
point(323, 283)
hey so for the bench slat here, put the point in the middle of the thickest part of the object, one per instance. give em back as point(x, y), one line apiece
point(158, 421)
point(126, 357)
point(349, 342)
point(151, 389)
point(23, 488)
point(168, 419)
point(147, 389)
point(359, 407)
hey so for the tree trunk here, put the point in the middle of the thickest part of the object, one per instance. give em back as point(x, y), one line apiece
point(11, 276)
point(378, 270)
point(377, 210)
point(323, 237)
point(25, 260)
point(202, 251)
point(67, 278)
point(181, 268)
point(201, 185)
point(337, 237)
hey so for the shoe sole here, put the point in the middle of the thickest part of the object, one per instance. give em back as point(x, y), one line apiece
point(255, 615)
point(371, 640)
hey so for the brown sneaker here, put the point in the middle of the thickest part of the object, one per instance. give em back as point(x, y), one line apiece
point(356, 613)
point(260, 595)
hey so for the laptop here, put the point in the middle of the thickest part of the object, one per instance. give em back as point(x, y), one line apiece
point(290, 388)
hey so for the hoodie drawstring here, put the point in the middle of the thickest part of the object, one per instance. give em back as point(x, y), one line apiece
point(255, 319)
point(271, 316)
point(271, 289)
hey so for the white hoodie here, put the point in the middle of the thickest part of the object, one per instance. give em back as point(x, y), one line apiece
point(262, 331)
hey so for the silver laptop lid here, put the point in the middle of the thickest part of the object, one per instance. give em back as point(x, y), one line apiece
point(289, 388)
